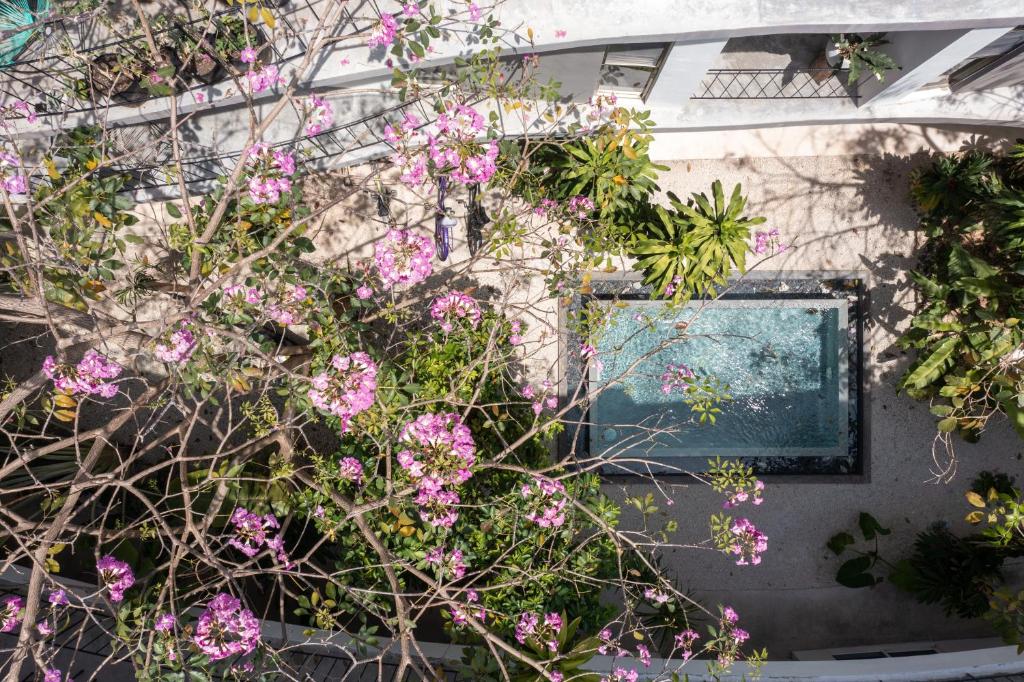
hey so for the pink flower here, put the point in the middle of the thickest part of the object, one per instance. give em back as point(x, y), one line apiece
point(264, 78)
point(348, 390)
point(54, 675)
point(580, 206)
point(560, 33)
point(165, 622)
point(26, 109)
point(748, 543)
point(448, 564)
point(364, 292)
point(411, 10)
point(247, 55)
point(319, 115)
point(474, 12)
point(644, 654)
point(179, 347)
point(226, 629)
point(454, 307)
point(44, 628)
point(116, 576)
point(384, 32)
point(10, 612)
point(345, 61)
point(350, 469)
point(439, 456)
point(676, 378)
point(546, 501)
point(765, 240)
point(199, 97)
point(87, 378)
point(11, 180)
point(251, 531)
point(58, 598)
point(403, 258)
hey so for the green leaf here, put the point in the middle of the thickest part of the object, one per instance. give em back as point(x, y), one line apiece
point(869, 526)
point(853, 573)
point(839, 542)
point(172, 210)
point(930, 368)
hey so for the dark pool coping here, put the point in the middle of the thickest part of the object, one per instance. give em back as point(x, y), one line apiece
point(850, 285)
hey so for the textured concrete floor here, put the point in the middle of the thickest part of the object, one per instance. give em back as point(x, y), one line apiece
point(842, 213)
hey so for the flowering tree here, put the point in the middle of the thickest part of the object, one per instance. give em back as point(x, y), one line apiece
point(234, 426)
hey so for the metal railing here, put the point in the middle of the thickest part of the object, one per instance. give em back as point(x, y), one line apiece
point(788, 83)
point(45, 74)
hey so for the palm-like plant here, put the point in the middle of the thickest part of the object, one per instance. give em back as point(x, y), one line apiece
point(862, 54)
point(695, 247)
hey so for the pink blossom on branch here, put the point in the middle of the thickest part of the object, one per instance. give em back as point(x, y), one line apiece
point(226, 629)
point(88, 377)
point(319, 115)
point(384, 32)
point(347, 390)
point(116, 576)
point(10, 612)
point(402, 257)
point(546, 501)
point(455, 307)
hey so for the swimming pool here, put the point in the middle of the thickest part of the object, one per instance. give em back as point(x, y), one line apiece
point(787, 349)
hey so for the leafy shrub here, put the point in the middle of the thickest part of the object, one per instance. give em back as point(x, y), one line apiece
point(967, 331)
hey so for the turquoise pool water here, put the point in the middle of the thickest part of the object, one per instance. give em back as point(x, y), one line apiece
point(783, 359)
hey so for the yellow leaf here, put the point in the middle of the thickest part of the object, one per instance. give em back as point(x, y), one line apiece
point(529, 34)
point(406, 531)
point(268, 18)
point(993, 495)
point(975, 499)
point(92, 163)
point(619, 180)
point(51, 169)
point(253, 14)
point(102, 219)
point(64, 400)
point(65, 415)
point(975, 517)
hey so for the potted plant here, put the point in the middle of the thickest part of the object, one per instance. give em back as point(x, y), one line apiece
point(859, 53)
point(233, 36)
point(112, 75)
point(198, 56)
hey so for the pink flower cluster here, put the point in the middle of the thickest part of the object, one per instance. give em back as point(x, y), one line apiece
point(263, 78)
point(87, 377)
point(580, 207)
point(116, 576)
point(251, 532)
point(676, 378)
point(403, 257)
point(165, 622)
point(733, 635)
point(288, 310)
point(350, 469)
point(348, 390)
point(440, 457)
point(179, 347)
point(226, 629)
point(656, 597)
point(238, 294)
point(319, 115)
point(516, 337)
point(448, 564)
point(600, 107)
point(11, 180)
point(742, 495)
point(545, 206)
point(546, 502)
point(530, 626)
point(767, 241)
point(748, 543)
point(453, 307)
point(461, 615)
point(10, 612)
point(271, 171)
point(26, 109)
point(384, 32)
point(55, 675)
point(684, 642)
point(542, 397)
point(58, 598)
point(449, 147)
point(670, 288)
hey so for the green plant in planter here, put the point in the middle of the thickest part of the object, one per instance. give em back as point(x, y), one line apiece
point(233, 36)
point(694, 247)
point(862, 55)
